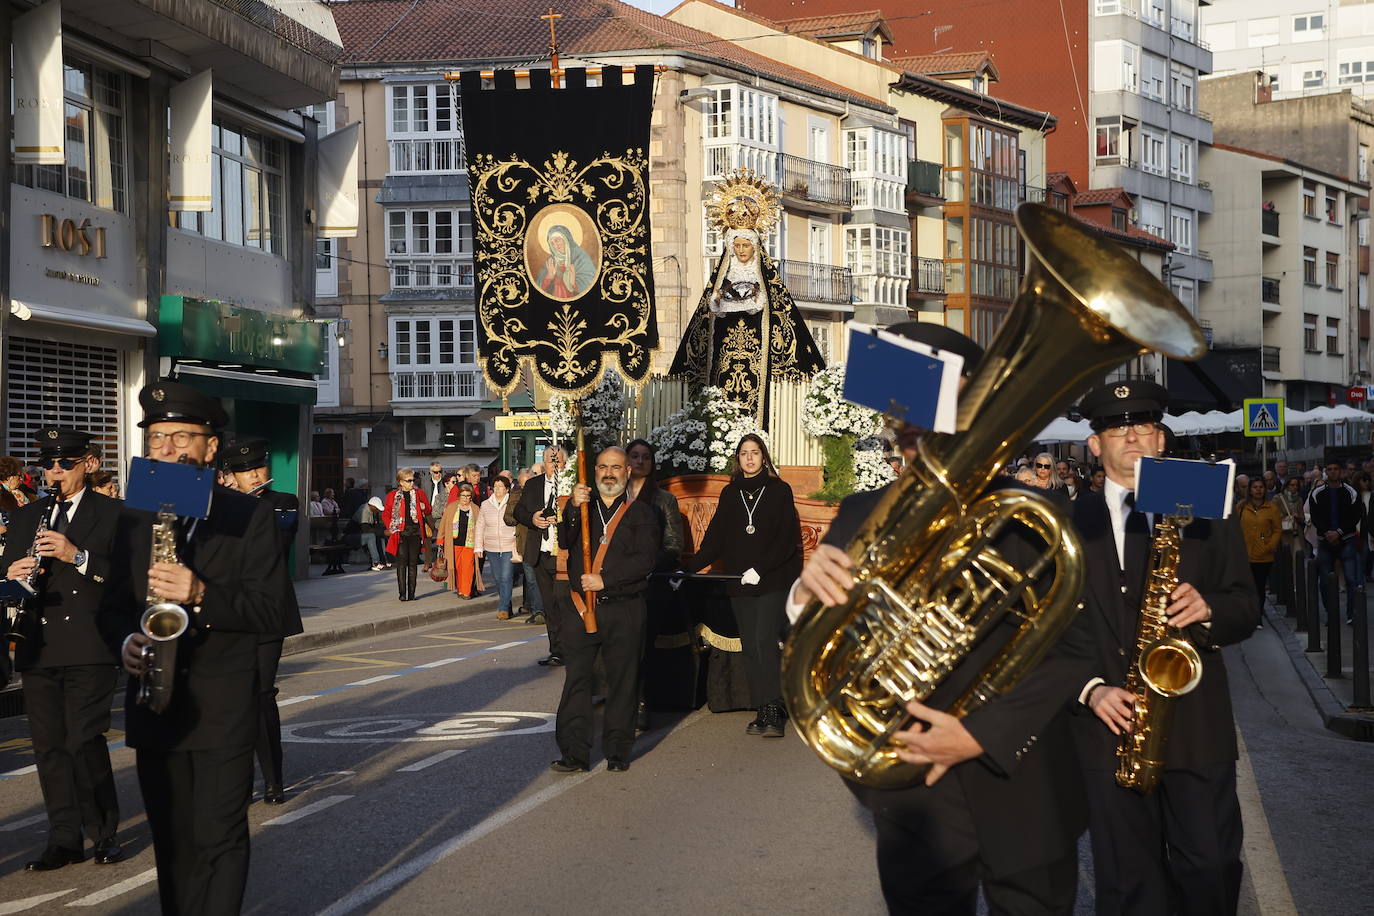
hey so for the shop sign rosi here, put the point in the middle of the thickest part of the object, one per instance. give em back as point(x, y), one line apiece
point(226, 333)
point(81, 239)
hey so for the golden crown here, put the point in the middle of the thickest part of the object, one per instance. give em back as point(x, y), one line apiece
point(743, 200)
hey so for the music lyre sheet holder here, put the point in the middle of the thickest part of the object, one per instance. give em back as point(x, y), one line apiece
point(165, 486)
point(911, 382)
point(1172, 486)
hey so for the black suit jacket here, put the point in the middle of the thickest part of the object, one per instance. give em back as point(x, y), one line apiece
point(65, 631)
point(235, 552)
point(286, 515)
point(1023, 794)
point(533, 498)
point(630, 555)
point(1213, 560)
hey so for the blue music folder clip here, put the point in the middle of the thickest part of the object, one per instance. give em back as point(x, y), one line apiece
point(1172, 486)
point(165, 486)
point(910, 381)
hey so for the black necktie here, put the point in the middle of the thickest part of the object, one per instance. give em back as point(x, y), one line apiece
point(59, 523)
point(1135, 521)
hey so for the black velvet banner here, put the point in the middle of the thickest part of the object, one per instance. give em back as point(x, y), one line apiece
point(560, 205)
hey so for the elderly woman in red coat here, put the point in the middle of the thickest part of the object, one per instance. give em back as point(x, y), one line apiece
point(404, 516)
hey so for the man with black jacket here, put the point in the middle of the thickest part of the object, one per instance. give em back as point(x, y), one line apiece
point(537, 510)
point(1336, 512)
point(624, 537)
point(1002, 805)
point(195, 760)
point(69, 672)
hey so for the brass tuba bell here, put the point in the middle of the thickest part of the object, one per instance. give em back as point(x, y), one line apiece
point(928, 583)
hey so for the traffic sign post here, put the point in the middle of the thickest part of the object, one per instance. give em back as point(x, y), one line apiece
point(1263, 417)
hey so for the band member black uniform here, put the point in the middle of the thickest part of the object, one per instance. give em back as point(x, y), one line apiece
point(1176, 850)
point(69, 671)
point(195, 760)
point(247, 461)
point(1001, 805)
point(624, 537)
point(538, 511)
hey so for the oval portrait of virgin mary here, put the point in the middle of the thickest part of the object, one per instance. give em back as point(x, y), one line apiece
point(562, 252)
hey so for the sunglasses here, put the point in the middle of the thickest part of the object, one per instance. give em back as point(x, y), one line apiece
point(65, 464)
point(1041, 464)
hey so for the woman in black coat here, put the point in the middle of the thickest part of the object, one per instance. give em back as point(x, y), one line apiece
point(756, 535)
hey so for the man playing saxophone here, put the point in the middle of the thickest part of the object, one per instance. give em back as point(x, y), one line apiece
point(63, 545)
point(195, 760)
point(1001, 805)
point(1176, 849)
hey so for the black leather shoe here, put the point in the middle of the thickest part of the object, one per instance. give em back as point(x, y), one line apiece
point(107, 852)
point(642, 717)
point(553, 661)
point(274, 795)
point(564, 765)
point(757, 726)
point(773, 718)
point(53, 858)
point(536, 617)
point(616, 764)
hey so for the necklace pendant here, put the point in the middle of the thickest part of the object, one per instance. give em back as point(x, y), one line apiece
point(748, 529)
point(604, 540)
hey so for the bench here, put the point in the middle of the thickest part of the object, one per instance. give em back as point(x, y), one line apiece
point(333, 555)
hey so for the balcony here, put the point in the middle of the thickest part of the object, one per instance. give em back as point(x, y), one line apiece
point(723, 158)
point(1269, 359)
point(923, 178)
point(437, 385)
point(431, 273)
point(825, 283)
point(1269, 291)
point(816, 182)
point(1269, 222)
point(1031, 193)
point(929, 276)
point(440, 154)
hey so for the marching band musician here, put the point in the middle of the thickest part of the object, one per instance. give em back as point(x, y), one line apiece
point(1001, 804)
point(1176, 850)
point(247, 462)
point(195, 760)
point(69, 672)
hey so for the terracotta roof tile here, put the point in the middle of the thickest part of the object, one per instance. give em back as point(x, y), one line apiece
point(398, 31)
point(835, 24)
point(945, 64)
point(1092, 196)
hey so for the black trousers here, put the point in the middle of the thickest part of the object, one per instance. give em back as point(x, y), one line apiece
point(618, 640)
point(269, 717)
point(197, 803)
point(557, 601)
point(69, 713)
point(930, 863)
point(407, 556)
point(760, 619)
point(1176, 850)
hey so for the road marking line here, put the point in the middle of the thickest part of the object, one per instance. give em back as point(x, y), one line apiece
point(507, 645)
point(22, 771)
point(442, 661)
point(26, 822)
point(1262, 862)
point(115, 890)
point(390, 880)
point(430, 761)
point(292, 700)
point(308, 810)
point(372, 680)
point(28, 903)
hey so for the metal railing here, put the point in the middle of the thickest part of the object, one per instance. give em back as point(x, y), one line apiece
point(1269, 290)
point(924, 178)
point(1269, 359)
point(429, 273)
point(723, 158)
point(441, 154)
point(929, 276)
point(1269, 222)
point(816, 181)
point(808, 282)
point(438, 385)
point(1030, 192)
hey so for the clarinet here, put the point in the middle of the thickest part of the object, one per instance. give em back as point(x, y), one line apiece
point(24, 614)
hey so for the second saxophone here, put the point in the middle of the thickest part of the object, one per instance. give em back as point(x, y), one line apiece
point(163, 622)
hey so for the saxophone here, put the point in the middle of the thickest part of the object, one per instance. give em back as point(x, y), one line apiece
point(163, 622)
point(21, 619)
point(1166, 664)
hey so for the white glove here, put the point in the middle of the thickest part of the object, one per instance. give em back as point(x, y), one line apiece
point(750, 577)
point(676, 581)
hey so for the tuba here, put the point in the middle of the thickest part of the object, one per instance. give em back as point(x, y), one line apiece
point(163, 622)
point(928, 583)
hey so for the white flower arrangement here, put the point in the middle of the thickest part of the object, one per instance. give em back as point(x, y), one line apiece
point(701, 437)
point(603, 414)
point(871, 469)
point(827, 413)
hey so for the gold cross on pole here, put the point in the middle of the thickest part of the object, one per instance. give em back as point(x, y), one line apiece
point(554, 72)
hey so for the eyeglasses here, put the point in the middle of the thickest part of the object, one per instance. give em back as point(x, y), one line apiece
point(1140, 429)
point(65, 464)
point(407, 480)
point(181, 438)
point(1041, 464)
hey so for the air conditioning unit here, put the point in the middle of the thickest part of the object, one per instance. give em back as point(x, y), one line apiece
point(478, 434)
point(421, 434)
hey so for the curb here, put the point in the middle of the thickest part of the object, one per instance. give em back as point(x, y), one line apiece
point(306, 642)
point(1335, 716)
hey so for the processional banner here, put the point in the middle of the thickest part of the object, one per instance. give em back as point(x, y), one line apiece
point(560, 205)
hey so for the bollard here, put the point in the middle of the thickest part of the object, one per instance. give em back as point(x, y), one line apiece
point(1359, 650)
point(1333, 626)
point(1314, 610)
point(1300, 574)
point(1289, 593)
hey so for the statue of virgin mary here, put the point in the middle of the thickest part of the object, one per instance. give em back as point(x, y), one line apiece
point(746, 329)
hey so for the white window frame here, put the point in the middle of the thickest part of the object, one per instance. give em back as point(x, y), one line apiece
point(1181, 229)
point(1154, 151)
point(1152, 218)
point(1153, 76)
point(421, 146)
point(1182, 156)
point(326, 277)
point(1182, 88)
point(404, 355)
point(106, 177)
point(413, 247)
point(1309, 26)
point(227, 221)
point(323, 113)
point(328, 379)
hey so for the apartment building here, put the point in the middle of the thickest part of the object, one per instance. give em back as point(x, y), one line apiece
point(1301, 46)
point(1289, 312)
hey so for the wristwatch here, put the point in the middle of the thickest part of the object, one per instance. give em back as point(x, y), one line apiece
point(79, 560)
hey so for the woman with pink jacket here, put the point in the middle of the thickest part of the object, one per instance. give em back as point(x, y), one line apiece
point(496, 541)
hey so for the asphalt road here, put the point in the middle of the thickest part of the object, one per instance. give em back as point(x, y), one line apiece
point(417, 766)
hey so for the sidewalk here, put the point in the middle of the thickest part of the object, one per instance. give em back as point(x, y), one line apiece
point(363, 603)
point(1333, 697)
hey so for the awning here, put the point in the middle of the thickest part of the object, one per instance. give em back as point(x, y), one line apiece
point(249, 386)
point(78, 318)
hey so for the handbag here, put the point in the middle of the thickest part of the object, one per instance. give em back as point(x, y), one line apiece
point(438, 570)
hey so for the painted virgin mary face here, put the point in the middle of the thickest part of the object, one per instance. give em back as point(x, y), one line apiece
point(744, 250)
point(557, 243)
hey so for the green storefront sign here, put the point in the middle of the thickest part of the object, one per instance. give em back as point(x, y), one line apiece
point(226, 333)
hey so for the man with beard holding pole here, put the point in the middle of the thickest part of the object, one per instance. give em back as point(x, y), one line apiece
point(623, 537)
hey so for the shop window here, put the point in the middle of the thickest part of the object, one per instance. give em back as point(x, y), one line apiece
point(96, 170)
point(248, 190)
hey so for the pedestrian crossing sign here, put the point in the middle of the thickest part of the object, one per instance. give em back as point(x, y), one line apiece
point(1263, 416)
